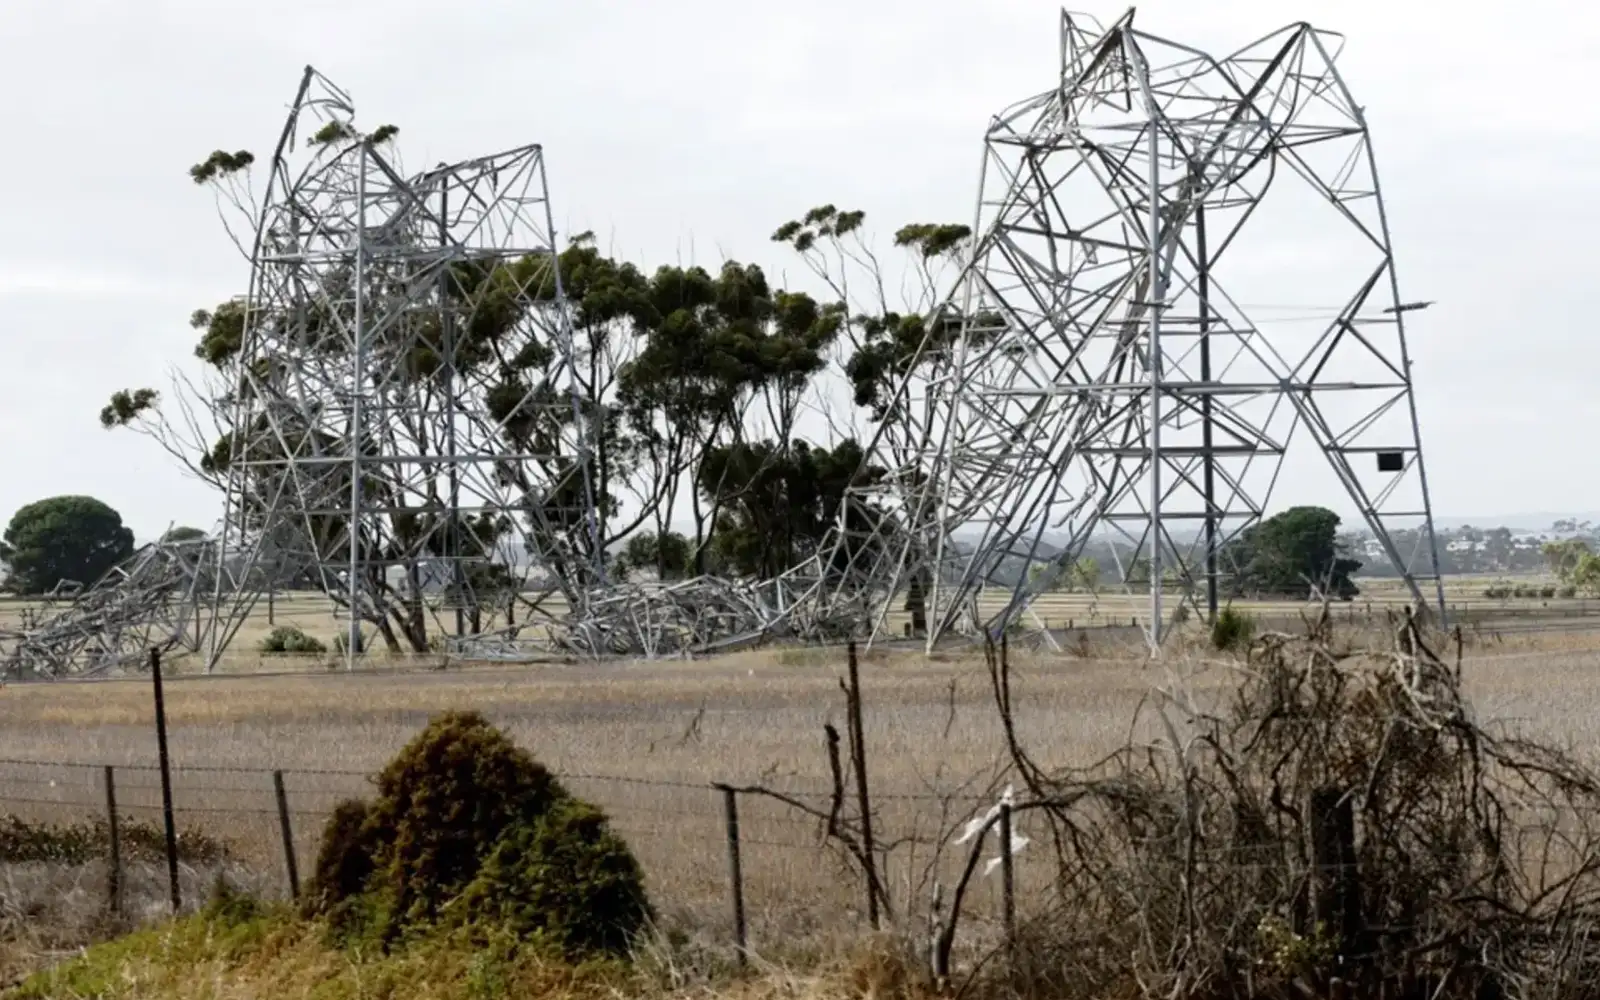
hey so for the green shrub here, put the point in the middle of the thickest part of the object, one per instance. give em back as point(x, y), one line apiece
point(24, 841)
point(567, 880)
point(1568, 591)
point(462, 814)
point(346, 859)
point(445, 800)
point(341, 640)
point(148, 839)
point(1547, 592)
point(289, 639)
point(1232, 629)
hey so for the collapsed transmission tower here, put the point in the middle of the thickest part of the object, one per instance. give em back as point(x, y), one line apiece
point(151, 601)
point(406, 430)
point(1106, 366)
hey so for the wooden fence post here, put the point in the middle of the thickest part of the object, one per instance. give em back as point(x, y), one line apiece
point(167, 816)
point(858, 734)
point(730, 808)
point(287, 830)
point(114, 845)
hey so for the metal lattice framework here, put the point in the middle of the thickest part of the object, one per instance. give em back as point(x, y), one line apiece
point(404, 425)
point(1101, 369)
point(153, 600)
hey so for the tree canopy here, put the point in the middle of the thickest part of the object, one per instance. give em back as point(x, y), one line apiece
point(778, 502)
point(687, 388)
point(63, 539)
point(1574, 562)
point(1292, 553)
point(668, 555)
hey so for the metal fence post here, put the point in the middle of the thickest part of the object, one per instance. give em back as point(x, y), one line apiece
point(166, 781)
point(284, 827)
point(730, 807)
point(114, 845)
point(1008, 882)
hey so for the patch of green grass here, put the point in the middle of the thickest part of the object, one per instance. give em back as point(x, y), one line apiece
point(127, 966)
point(270, 953)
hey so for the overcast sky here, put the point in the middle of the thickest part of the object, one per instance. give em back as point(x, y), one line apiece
point(692, 128)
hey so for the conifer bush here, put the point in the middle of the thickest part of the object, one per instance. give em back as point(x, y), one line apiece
point(466, 821)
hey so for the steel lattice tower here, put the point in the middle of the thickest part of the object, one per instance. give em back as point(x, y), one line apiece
point(405, 421)
point(1098, 371)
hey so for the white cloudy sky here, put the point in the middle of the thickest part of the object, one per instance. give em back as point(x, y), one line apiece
point(698, 125)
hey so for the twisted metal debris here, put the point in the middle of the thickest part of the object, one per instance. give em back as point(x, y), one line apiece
point(1099, 368)
point(1107, 366)
point(153, 600)
point(705, 614)
point(406, 401)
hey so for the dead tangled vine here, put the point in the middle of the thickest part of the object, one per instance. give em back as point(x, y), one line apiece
point(1337, 822)
point(1330, 819)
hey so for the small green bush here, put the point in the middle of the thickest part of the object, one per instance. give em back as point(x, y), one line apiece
point(341, 640)
point(567, 880)
point(148, 839)
point(445, 800)
point(1547, 592)
point(1568, 591)
point(468, 827)
point(1232, 629)
point(25, 841)
point(289, 639)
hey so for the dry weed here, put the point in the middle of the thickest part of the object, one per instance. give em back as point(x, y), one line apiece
point(1340, 820)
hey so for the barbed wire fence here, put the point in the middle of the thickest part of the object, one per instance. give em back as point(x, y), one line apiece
point(743, 866)
point(754, 866)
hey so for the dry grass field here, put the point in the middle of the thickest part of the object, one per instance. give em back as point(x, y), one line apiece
point(317, 616)
point(647, 741)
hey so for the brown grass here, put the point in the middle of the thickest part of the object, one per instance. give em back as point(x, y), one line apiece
point(274, 958)
point(647, 740)
point(318, 617)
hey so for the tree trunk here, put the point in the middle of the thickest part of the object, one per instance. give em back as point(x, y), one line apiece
point(417, 628)
point(386, 630)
